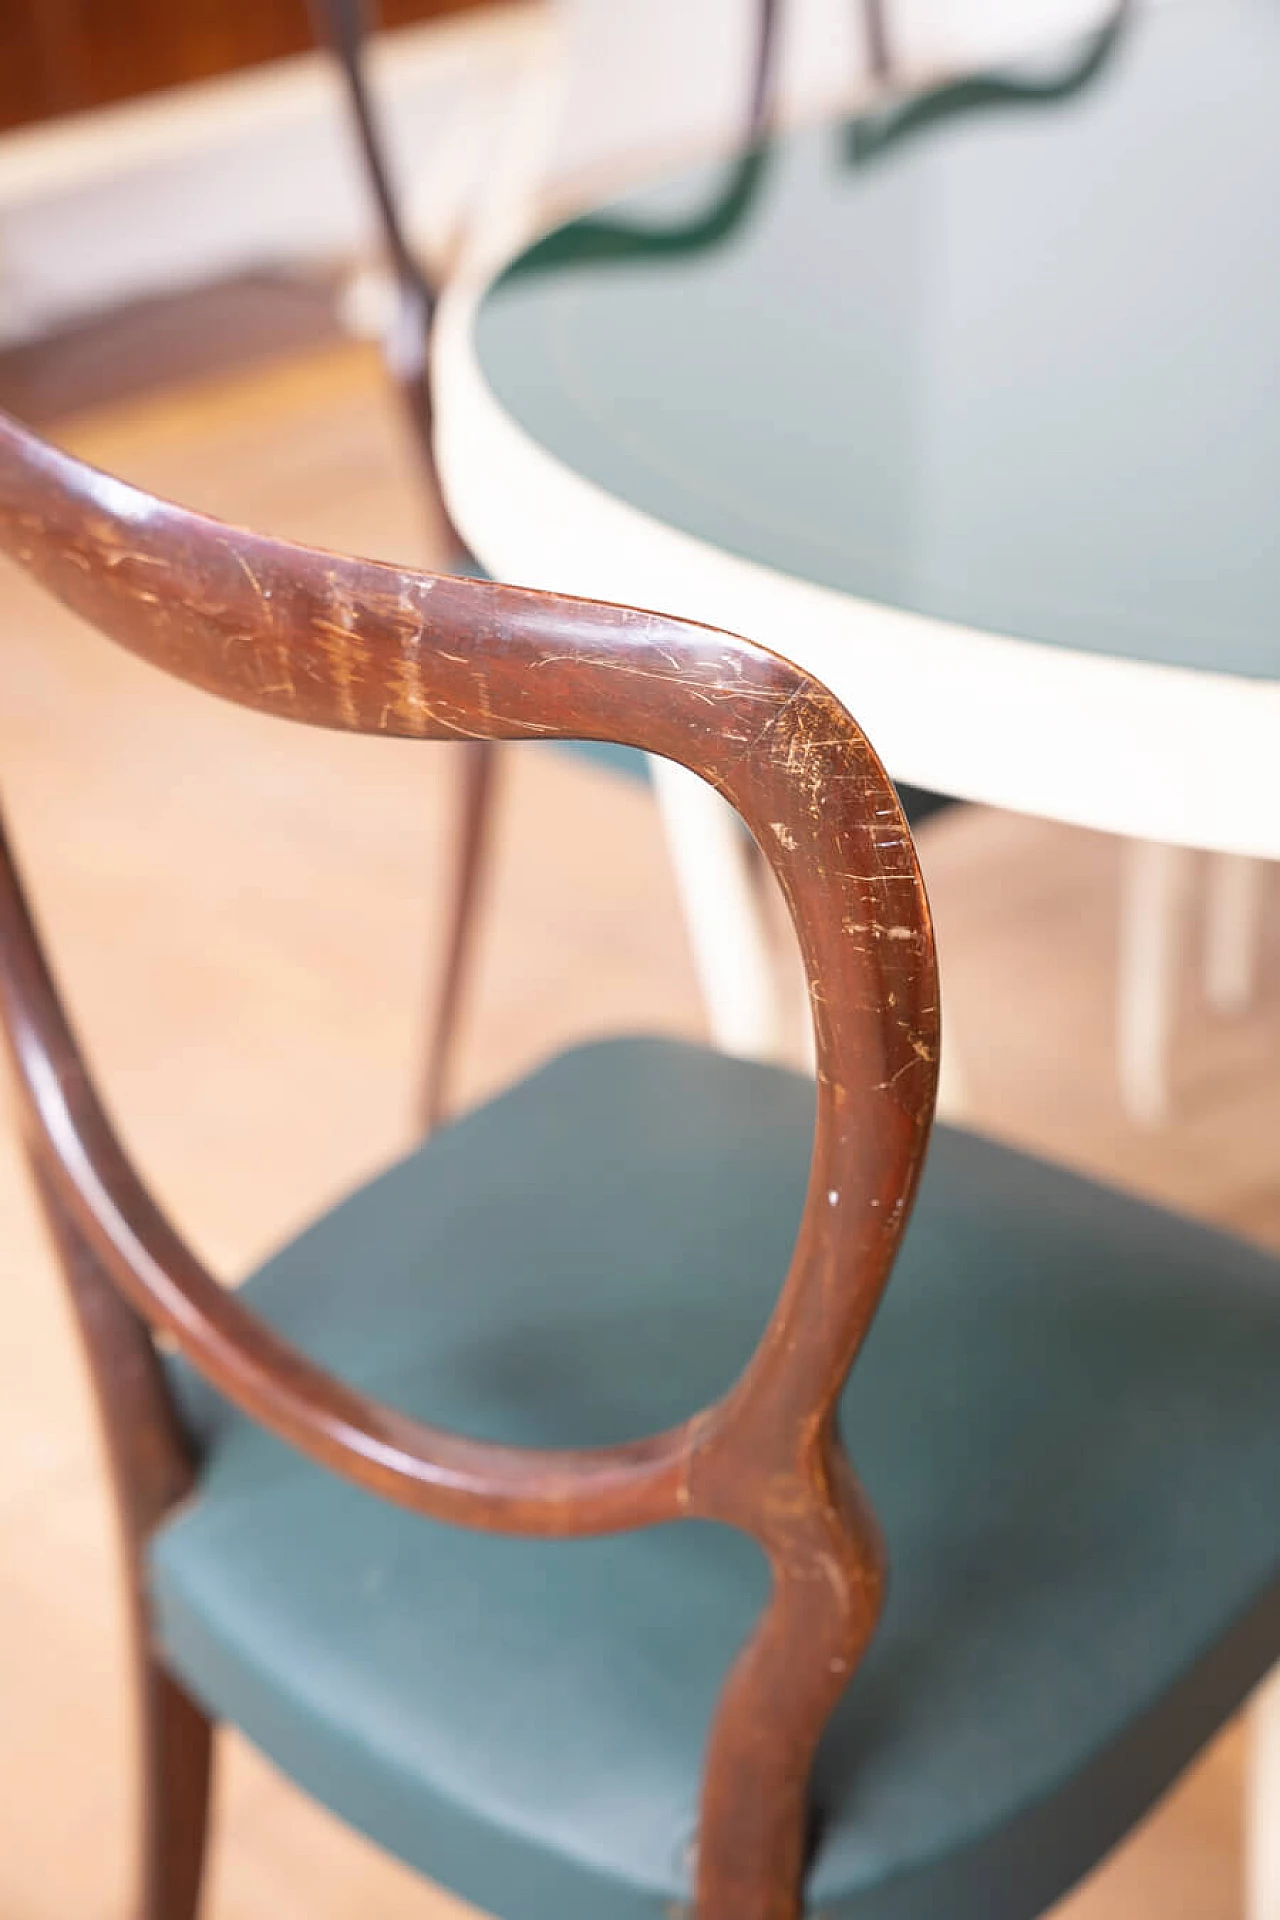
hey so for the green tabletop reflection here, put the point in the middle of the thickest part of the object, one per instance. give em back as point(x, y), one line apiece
point(1016, 369)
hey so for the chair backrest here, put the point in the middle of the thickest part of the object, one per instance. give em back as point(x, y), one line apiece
point(343, 26)
point(345, 643)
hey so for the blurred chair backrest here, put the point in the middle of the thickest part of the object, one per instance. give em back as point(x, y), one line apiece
point(349, 644)
point(344, 25)
point(870, 134)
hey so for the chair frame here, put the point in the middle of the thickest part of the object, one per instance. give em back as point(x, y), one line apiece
point(368, 648)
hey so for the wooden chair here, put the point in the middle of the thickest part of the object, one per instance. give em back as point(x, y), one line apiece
point(508, 1509)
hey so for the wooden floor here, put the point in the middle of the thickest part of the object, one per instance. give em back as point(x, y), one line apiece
point(244, 915)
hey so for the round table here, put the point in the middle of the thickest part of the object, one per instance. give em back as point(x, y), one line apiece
point(971, 407)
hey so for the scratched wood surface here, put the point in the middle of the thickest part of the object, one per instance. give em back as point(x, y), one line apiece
point(119, 782)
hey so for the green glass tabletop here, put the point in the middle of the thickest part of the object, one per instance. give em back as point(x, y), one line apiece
point(1008, 355)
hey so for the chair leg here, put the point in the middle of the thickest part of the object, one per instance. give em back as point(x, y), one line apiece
point(876, 33)
point(152, 1469)
point(477, 794)
point(1262, 1804)
point(176, 1752)
point(1231, 930)
point(1153, 888)
point(764, 69)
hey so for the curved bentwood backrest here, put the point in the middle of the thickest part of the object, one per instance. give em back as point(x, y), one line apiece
point(345, 643)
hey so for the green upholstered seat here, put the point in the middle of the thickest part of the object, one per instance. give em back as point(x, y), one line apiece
point(627, 760)
point(1067, 1414)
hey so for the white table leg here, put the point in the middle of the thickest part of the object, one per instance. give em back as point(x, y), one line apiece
point(723, 913)
point(1231, 930)
point(1262, 1804)
point(953, 1092)
point(806, 1056)
point(728, 934)
point(1153, 886)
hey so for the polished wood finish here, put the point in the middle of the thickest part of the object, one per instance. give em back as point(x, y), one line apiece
point(764, 71)
point(368, 648)
point(63, 56)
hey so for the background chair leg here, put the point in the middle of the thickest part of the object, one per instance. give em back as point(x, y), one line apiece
point(176, 1773)
point(1153, 888)
point(723, 911)
point(1231, 930)
point(875, 27)
point(479, 768)
point(1262, 1804)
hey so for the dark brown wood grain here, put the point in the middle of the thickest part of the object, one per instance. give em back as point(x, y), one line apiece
point(63, 56)
point(342, 26)
point(340, 642)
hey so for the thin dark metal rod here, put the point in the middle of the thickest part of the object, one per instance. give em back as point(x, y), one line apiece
point(343, 26)
point(875, 27)
point(764, 74)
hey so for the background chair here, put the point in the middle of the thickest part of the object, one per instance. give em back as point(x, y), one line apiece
point(560, 1318)
point(730, 943)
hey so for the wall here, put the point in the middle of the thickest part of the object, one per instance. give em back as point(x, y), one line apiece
point(255, 171)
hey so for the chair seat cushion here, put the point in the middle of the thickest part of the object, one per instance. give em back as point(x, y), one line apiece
point(1067, 1416)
